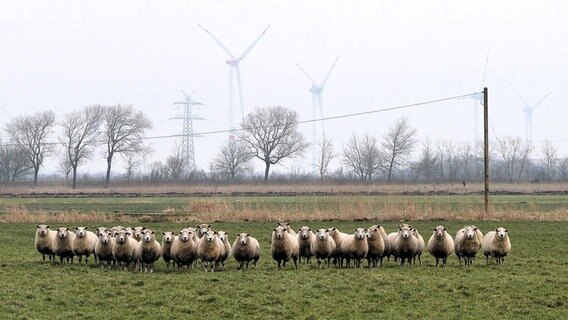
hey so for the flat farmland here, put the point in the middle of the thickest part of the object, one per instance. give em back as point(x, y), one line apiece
point(532, 283)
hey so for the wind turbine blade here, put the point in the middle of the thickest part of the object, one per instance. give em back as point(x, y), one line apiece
point(218, 41)
point(252, 45)
point(307, 75)
point(231, 107)
point(525, 101)
point(329, 72)
point(541, 100)
point(485, 69)
point(240, 92)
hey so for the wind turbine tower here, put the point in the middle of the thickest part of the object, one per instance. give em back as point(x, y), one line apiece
point(316, 89)
point(528, 110)
point(188, 151)
point(234, 72)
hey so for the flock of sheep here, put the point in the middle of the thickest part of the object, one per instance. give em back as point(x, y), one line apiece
point(138, 248)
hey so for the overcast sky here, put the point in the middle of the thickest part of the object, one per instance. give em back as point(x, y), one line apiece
point(64, 55)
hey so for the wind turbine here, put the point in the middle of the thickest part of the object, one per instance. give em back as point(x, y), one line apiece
point(528, 110)
point(233, 63)
point(316, 90)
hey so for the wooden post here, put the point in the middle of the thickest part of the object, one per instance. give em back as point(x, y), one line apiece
point(486, 149)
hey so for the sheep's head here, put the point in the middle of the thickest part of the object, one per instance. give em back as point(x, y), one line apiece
point(279, 232)
point(99, 230)
point(210, 235)
point(185, 235)
point(104, 236)
point(42, 229)
point(439, 232)
point(202, 229)
point(223, 236)
point(168, 236)
point(242, 238)
point(470, 232)
point(148, 236)
point(63, 232)
point(404, 231)
point(360, 233)
point(304, 232)
point(322, 234)
point(501, 233)
point(373, 232)
point(122, 236)
point(81, 231)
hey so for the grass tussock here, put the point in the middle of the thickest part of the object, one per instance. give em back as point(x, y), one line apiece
point(19, 214)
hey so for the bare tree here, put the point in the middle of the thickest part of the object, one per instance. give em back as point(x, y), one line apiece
point(124, 129)
point(398, 144)
point(175, 165)
point(466, 155)
point(326, 155)
point(29, 133)
point(549, 158)
point(511, 152)
point(428, 162)
point(64, 165)
point(14, 163)
point(232, 160)
point(363, 156)
point(133, 161)
point(80, 133)
point(272, 134)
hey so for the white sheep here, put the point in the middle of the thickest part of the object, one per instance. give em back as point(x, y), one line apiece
point(497, 244)
point(377, 246)
point(287, 226)
point(323, 247)
point(209, 250)
point(167, 242)
point(466, 244)
point(124, 248)
point(305, 239)
point(103, 248)
point(184, 249)
point(147, 251)
point(137, 232)
point(390, 240)
point(245, 249)
point(440, 245)
point(355, 247)
point(338, 237)
point(405, 244)
point(421, 246)
point(226, 250)
point(284, 247)
point(201, 230)
point(63, 244)
point(44, 241)
point(84, 244)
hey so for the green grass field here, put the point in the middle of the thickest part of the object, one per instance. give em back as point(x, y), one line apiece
point(533, 283)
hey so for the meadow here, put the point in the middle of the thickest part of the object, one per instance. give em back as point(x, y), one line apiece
point(532, 284)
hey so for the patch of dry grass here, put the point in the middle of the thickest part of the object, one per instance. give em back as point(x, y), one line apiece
point(18, 214)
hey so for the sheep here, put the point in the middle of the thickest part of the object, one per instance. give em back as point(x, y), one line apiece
point(467, 244)
point(355, 247)
point(137, 233)
point(405, 244)
point(167, 241)
point(103, 248)
point(421, 246)
point(63, 244)
point(201, 230)
point(84, 244)
point(226, 251)
point(497, 244)
point(376, 244)
point(440, 245)
point(44, 241)
point(184, 249)
point(287, 226)
point(245, 249)
point(284, 246)
point(323, 247)
point(305, 239)
point(147, 251)
point(209, 250)
point(115, 230)
point(338, 237)
point(390, 240)
point(124, 248)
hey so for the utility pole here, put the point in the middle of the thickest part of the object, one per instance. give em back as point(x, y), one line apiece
point(486, 149)
point(188, 151)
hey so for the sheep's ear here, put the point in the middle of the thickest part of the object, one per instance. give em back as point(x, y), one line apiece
point(152, 232)
point(299, 229)
point(444, 229)
point(47, 226)
point(143, 228)
point(215, 232)
point(86, 228)
point(76, 228)
point(506, 230)
point(37, 225)
point(163, 233)
point(274, 229)
point(309, 229)
point(435, 229)
point(208, 226)
point(475, 229)
point(67, 229)
point(248, 234)
point(497, 230)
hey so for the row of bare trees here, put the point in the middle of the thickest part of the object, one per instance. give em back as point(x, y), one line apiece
point(269, 135)
point(120, 128)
